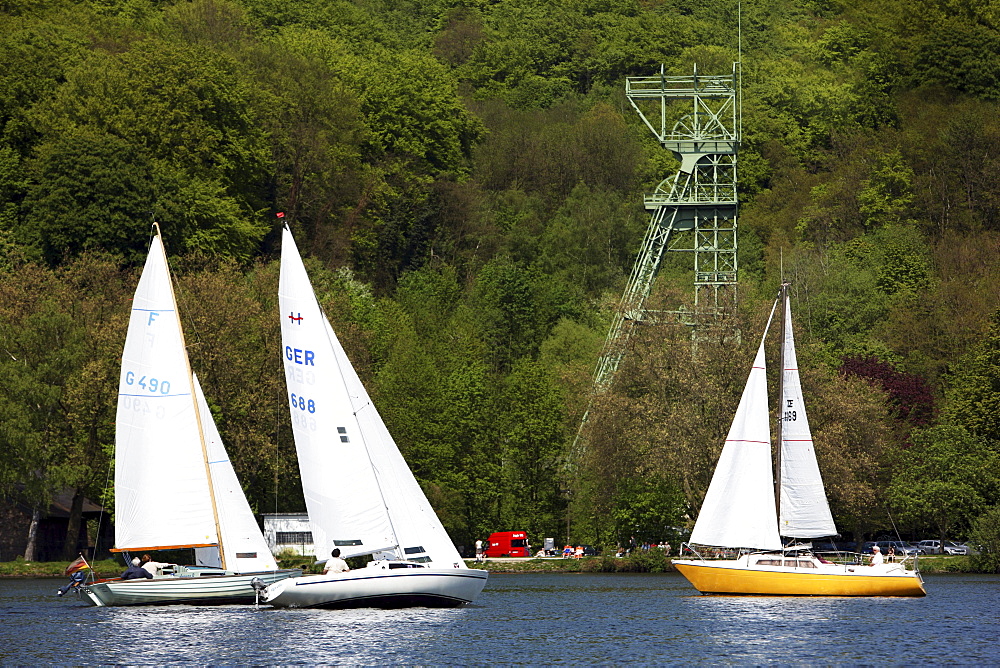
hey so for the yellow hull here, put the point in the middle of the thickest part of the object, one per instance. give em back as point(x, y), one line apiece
point(739, 579)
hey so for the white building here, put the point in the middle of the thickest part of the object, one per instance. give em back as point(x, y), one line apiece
point(288, 531)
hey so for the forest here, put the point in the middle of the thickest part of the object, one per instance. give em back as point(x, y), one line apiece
point(466, 178)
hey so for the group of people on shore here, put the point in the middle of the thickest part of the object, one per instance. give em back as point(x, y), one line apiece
point(633, 546)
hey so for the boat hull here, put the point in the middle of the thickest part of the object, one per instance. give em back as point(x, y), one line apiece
point(380, 588)
point(737, 577)
point(204, 590)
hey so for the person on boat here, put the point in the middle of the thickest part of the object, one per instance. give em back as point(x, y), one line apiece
point(876, 556)
point(335, 564)
point(136, 571)
point(891, 554)
point(152, 566)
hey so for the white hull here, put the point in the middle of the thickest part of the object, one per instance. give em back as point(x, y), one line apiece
point(380, 588)
point(213, 589)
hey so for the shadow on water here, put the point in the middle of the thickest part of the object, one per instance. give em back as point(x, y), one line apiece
point(520, 618)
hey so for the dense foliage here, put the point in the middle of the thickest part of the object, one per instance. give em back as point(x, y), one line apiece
point(466, 177)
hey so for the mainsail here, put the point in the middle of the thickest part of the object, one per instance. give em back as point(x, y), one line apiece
point(161, 487)
point(738, 510)
point(804, 510)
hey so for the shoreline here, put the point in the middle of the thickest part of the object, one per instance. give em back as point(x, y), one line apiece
point(651, 562)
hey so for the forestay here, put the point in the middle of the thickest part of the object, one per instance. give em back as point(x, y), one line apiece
point(161, 487)
point(738, 510)
point(804, 510)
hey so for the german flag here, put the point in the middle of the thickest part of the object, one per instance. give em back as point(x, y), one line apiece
point(77, 565)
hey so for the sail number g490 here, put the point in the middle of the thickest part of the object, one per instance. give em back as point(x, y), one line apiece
point(149, 384)
point(303, 404)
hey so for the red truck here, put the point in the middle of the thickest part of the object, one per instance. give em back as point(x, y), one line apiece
point(507, 544)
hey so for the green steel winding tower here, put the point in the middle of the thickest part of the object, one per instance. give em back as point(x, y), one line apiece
point(693, 211)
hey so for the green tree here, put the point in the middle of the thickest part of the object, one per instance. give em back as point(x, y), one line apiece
point(945, 480)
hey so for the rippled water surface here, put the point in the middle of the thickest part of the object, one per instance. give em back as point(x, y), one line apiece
point(519, 619)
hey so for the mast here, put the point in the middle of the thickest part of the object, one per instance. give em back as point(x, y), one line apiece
point(194, 399)
point(783, 298)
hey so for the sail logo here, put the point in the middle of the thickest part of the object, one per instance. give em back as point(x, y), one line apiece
point(299, 356)
point(295, 317)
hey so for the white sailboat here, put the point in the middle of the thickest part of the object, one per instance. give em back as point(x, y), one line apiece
point(739, 512)
point(361, 496)
point(174, 484)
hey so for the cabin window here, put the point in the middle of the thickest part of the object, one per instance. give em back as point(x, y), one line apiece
point(293, 537)
point(413, 550)
point(769, 562)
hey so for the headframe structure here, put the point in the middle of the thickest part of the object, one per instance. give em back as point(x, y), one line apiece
point(694, 210)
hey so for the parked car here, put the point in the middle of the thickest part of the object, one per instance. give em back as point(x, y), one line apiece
point(955, 548)
point(930, 546)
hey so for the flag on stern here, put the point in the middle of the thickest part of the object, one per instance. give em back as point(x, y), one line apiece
point(77, 565)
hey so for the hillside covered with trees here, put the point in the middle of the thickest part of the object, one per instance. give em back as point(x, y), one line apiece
point(466, 179)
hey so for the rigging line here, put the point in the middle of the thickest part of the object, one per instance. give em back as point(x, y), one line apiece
point(100, 519)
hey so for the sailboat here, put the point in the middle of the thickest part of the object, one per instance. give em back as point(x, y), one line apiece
point(739, 513)
point(175, 487)
point(360, 494)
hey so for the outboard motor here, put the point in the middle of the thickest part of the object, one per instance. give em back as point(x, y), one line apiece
point(258, 588)
point(75, 580)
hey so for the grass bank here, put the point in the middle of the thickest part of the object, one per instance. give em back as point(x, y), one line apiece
point(19, 568)
point(659, 563)
point(652, 562)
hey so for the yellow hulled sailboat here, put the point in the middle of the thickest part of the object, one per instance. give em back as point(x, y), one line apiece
point(741, 514)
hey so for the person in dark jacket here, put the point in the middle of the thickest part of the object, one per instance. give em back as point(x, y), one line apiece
point(136, 571)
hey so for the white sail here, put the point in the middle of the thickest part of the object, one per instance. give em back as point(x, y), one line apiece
point(738, 510)
point(345, 505)
point(161, 487)
point(804, 510)
point(242, 541)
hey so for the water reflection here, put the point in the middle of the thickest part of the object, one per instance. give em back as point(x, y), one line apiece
point(545, 618)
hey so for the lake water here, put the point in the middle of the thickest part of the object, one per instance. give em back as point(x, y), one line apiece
point(519, 619)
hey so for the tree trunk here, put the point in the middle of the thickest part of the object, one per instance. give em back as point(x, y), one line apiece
point(72, 543)
point(32, 548)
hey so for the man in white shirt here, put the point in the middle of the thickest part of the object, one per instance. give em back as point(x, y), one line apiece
point(335, 564)
point(876, 555)
point(151, 566)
